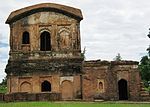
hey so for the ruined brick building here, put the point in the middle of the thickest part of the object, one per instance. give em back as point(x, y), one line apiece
point(45, 57)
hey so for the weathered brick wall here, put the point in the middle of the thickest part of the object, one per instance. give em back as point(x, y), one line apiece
point(35, 23)
point(134, 84)
point(128, 70)
point(95, 71)
point(1, 96)
point(61, 66)
point(31, 97)
point(111, 73)
point(32, 84)
point(54, 18)
point(28, 64)
point(8, 97)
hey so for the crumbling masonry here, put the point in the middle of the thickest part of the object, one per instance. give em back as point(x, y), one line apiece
point(45, 60)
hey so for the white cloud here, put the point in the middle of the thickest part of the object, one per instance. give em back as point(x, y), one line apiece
point(109, 26)
point(2, 74)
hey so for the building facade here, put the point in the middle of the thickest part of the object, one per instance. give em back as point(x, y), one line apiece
point(45, 56)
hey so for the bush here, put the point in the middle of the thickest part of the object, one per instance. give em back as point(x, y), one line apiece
point(3, 89)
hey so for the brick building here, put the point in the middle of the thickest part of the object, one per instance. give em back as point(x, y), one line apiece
point(45, 57)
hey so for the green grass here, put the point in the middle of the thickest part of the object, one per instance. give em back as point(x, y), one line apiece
point(69, 104)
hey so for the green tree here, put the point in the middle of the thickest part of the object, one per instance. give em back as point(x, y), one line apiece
point(148, 90)
point(118, 57)
point(148, 49)
point(144, 67)
point(3, 86)
point(4, 81)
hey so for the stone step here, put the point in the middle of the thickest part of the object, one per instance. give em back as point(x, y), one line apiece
point(98, 100)
point(142, 89)
point(144, 94)
point(145, 99)
point(141, 83)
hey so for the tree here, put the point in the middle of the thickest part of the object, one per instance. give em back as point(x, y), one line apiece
point(144, 67)
point(148, 90)
point(148, 49)
point(3, 86)
point(118, 57)
point(4, 81)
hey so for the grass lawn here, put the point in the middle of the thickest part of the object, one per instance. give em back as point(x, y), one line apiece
point(69, 104)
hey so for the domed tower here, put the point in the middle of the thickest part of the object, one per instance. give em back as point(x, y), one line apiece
point(45, 50)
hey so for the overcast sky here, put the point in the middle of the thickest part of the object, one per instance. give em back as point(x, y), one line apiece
point(109, 27)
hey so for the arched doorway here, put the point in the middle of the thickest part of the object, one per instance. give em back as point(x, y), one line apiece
point(67, 90)
point(45, 41)
point(123, 91)
point(45, 86)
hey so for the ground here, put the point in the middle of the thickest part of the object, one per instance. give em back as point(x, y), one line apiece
point(75, 104)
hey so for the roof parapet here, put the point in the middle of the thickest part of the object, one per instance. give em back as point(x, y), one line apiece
point(67, 10)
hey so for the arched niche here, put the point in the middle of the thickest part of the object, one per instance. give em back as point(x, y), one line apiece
point(64, 38)
point(100, 86)
point(26, 87)
point(67, 89)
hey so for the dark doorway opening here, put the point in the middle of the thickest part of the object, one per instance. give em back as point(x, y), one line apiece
point(46, 86)
point(45, 41)
point(123, 92)
point(25, 38)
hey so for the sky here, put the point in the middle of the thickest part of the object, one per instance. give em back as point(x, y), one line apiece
point(108, 27)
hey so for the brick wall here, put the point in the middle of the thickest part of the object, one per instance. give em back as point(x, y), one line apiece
point(110, 73)
point(30, 97)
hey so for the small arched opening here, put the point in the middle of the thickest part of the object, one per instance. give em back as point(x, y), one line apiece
point(100, 85)
point(25, 38)
point(123, 91)
point(45, 86)
point(45, 41)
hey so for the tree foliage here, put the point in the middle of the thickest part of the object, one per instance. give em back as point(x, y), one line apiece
point(118, 57)
point(144, 67)
point(4, 81)
point(3, 86)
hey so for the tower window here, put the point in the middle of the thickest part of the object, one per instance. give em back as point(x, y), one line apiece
point(45, 41)
point(25, 38)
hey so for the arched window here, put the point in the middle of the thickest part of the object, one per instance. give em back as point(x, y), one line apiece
point(45, 41)
point(25, 38)
point(45, 86)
